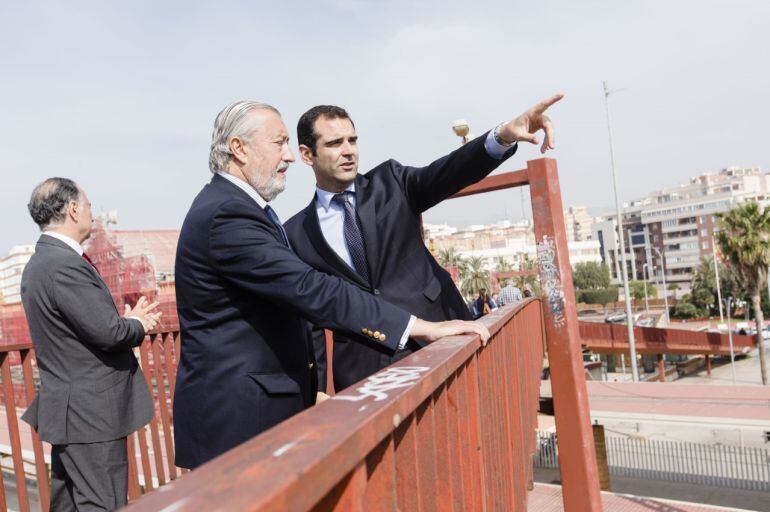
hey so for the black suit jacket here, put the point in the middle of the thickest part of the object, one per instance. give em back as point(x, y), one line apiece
point(91, 387)
point(246, 358)
point(389, 201)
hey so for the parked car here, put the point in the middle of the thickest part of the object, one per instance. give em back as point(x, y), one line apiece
point(615, 318)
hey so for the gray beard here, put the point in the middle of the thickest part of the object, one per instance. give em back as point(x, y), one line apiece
point(271, 189)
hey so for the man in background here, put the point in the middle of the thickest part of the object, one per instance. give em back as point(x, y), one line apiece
point(92, 392)
point(366, 228)
point(509, 294)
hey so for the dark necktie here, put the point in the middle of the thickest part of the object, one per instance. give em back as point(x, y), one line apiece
point(353, 237)
point(85, 257)
point(274, 218)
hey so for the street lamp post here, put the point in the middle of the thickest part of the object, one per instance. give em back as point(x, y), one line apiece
point(716, 276)
point(645, 276)
point(728, 303)
point(626, 291)
point(665, 288)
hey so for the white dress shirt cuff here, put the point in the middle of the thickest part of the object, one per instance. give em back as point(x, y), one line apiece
point(494, 148)
point(407, 331)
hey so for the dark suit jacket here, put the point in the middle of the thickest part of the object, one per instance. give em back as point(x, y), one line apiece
point(389, 201)
point(246, 358)
point(91, 387)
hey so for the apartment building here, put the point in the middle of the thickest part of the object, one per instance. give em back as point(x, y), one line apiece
point(675, 225)
point(11, 267)
point(513, 241)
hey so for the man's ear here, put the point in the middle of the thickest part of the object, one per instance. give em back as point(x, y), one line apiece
point(73, 211)
point(238, 150)
point(306, 154)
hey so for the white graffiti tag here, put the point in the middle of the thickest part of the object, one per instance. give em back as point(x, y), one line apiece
point(551, 280)
point(379, 384)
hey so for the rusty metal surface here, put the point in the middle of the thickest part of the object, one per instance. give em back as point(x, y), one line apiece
point(604, 338)
point(577, 458)
point(158, 358)
point(388, 443)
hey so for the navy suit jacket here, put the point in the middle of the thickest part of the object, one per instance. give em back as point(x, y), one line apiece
point(242, 294)
point(389, 201)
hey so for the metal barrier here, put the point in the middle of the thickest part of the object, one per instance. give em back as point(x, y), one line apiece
point(448, 428)
point(604, 338)
point(674, 461)
point(158, 356)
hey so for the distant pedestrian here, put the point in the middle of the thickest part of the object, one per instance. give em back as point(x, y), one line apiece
point(483, 304)
point(509, 294)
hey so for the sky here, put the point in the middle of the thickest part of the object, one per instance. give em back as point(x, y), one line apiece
point(121, 96)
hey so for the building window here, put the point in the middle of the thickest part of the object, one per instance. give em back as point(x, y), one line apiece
point(656, 239)
point(704, 232)
point(705, 245)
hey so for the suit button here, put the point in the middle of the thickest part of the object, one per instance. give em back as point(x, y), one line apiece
point(376, 291)
point(364, 331)
point(376, 334)
point(382, 337)
point(310, 365)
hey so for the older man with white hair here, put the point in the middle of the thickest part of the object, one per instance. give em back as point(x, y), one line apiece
point(243, 297)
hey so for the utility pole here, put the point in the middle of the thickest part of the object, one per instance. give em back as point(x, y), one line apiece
point(645, 276)
point(719, 285)
point(626, 291)
point(729, 300)
point(665, 288)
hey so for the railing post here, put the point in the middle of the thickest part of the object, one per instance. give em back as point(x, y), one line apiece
point(577, 458)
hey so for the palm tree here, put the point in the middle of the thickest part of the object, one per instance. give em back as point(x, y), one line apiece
point(523, 281)
point(451, 258)
point(476, 277)
point(744, 240)
point(503, 265)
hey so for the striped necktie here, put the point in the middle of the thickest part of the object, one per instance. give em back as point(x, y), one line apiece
point(274, 218)
point(353, 237)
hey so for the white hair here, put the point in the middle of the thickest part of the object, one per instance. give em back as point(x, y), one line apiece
point(232, 121)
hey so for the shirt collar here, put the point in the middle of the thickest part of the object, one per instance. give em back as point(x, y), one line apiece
point(67, 240)
point(324, 197)
point(245, 187)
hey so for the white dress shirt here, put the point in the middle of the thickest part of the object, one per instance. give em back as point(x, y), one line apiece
point(331, 217)
point(67, 240)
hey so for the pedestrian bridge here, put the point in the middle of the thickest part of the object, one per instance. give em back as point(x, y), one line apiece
point(604, 338)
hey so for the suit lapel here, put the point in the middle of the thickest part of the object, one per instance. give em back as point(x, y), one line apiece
point(312, 228)
point(367, 216)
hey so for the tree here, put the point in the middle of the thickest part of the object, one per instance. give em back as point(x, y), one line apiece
point(503, 265)
point(637, 290)
point(451, 258)
point(530, 281)
point(476, 276)
point(590, 275)
point(744, 240)
point(672, 287)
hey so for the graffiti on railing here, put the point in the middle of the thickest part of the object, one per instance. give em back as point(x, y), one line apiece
point(551, 280)
point(379, 384)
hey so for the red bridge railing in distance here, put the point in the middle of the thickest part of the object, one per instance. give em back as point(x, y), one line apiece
point(604, 338)
point(449, 428)
point(152, 464)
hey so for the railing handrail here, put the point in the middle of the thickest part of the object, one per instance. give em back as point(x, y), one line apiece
point(324, 443)
point(659, 337)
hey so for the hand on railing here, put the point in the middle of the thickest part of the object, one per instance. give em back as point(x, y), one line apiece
point(431, 331)
point(143, 312)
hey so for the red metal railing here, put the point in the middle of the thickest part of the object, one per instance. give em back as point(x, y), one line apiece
point(158, 354)
point(613, 339)
point(449, 428)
